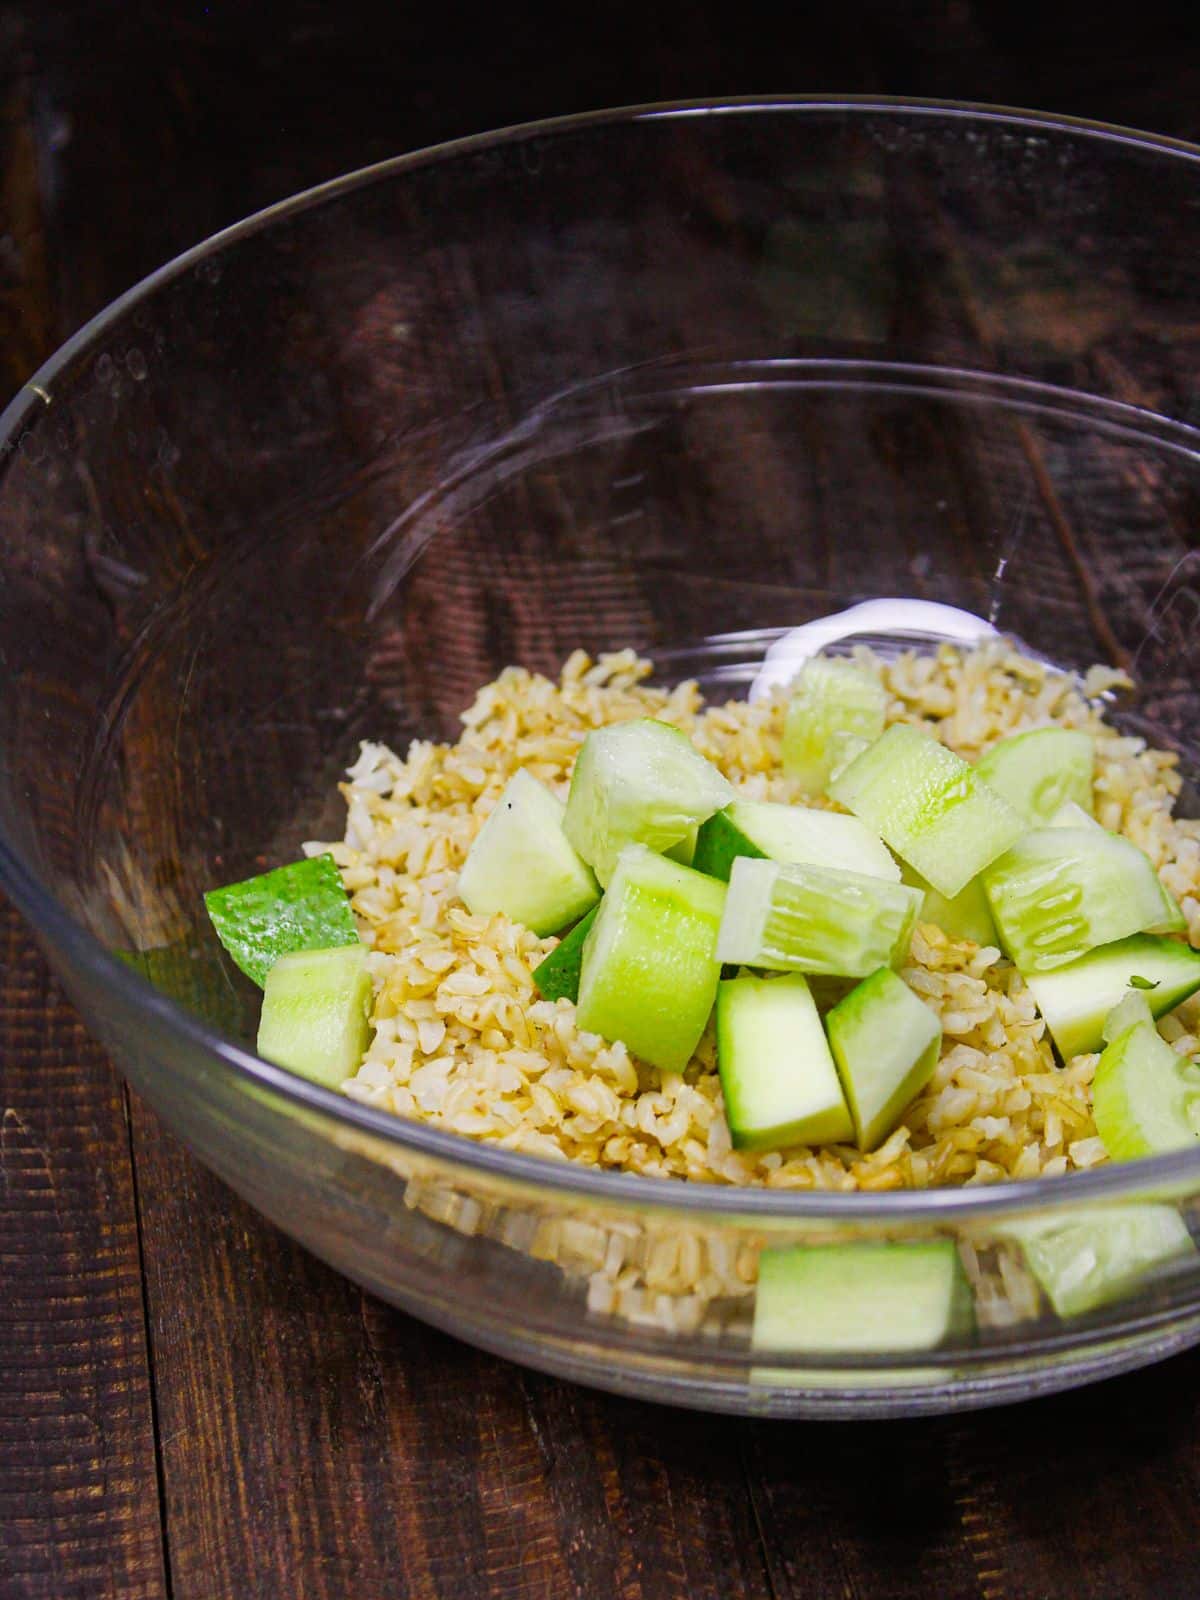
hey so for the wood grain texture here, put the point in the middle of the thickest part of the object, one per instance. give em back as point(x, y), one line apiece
point(79, 1509)
point(312, 1441)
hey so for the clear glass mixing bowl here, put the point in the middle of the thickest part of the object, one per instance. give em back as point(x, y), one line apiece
point(678, 378)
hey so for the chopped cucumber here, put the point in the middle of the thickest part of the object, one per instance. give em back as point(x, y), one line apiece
point(791, 833)
point(834, 705)
point(1129, 1010)
point(1145, 1098)
point(885, 1042)
point(521, 862)
point(649, 974)
point(1086, 1259)
point(1039, 770)
point(863, 1298)
point(930, 806)
point(685, 851)
point(302, 906)
point(1070, 815)
point(777, 1075)
point(1076, 999)
point(793, 917)
point(1061, 892)
point(966, 916)
point(314, 1013)
point(638, 782)
point(557, 977)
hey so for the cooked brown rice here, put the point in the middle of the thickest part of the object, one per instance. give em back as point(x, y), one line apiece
point(463, 1041)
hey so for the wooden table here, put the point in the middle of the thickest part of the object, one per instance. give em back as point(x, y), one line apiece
point(190, 1405)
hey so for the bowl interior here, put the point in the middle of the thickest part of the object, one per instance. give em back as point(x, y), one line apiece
point(676, 382)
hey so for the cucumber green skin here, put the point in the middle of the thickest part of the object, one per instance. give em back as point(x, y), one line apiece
point(1090, 1258)
point(1145, 1098)
point(718, 844)
point(684, 850)
point(1076, 999)
point(302, 906)
point(929, 806)
point(885, 1042)
point(314, 1013)
point(771, 1050)
point(649, 973)
point(1041, 770)
point(863, 1297)
point(557, 977)
point(1061, 892)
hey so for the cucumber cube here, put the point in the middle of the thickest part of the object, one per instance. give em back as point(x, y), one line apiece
point(790, 833)
point(885, 1042)
point(1129, 1010)
point(302, 906)
point(1145, 1098)
point(314, 1013)
point(1076, 999)
point(1038, 771)
point(638, 782)
point(966, 916)
point(834, 705)
point(1087, 1259)
point(522, 864)
point(777, 1075)
point(795, 918)
point(861, 1298)
point(930, 806)
point(684, 852)
point(650, 972)
point(1071, 815)
point(1061, 892)
point(557, 977)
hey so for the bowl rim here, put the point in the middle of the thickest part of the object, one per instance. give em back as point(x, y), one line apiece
point(934, 1206)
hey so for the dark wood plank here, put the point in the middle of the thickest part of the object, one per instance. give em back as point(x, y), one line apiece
point(79, 1504)
point(314, 1442)
point(317, 1443)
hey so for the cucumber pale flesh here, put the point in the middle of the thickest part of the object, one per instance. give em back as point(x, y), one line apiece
point(1075, 999)
point(1038, 771)
point(639, 782)
point(834, 706)
point(522, 864)
point(793, 917)
point(1145, 1098)
point(1060, 892)
point(966, 916)
point(1072, 815)
point(933, 809)
point(1086, 1259)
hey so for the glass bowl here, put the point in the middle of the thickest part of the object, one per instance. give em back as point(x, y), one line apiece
point(678, 378)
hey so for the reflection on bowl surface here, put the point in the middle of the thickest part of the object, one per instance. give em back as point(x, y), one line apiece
point(677, 383)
